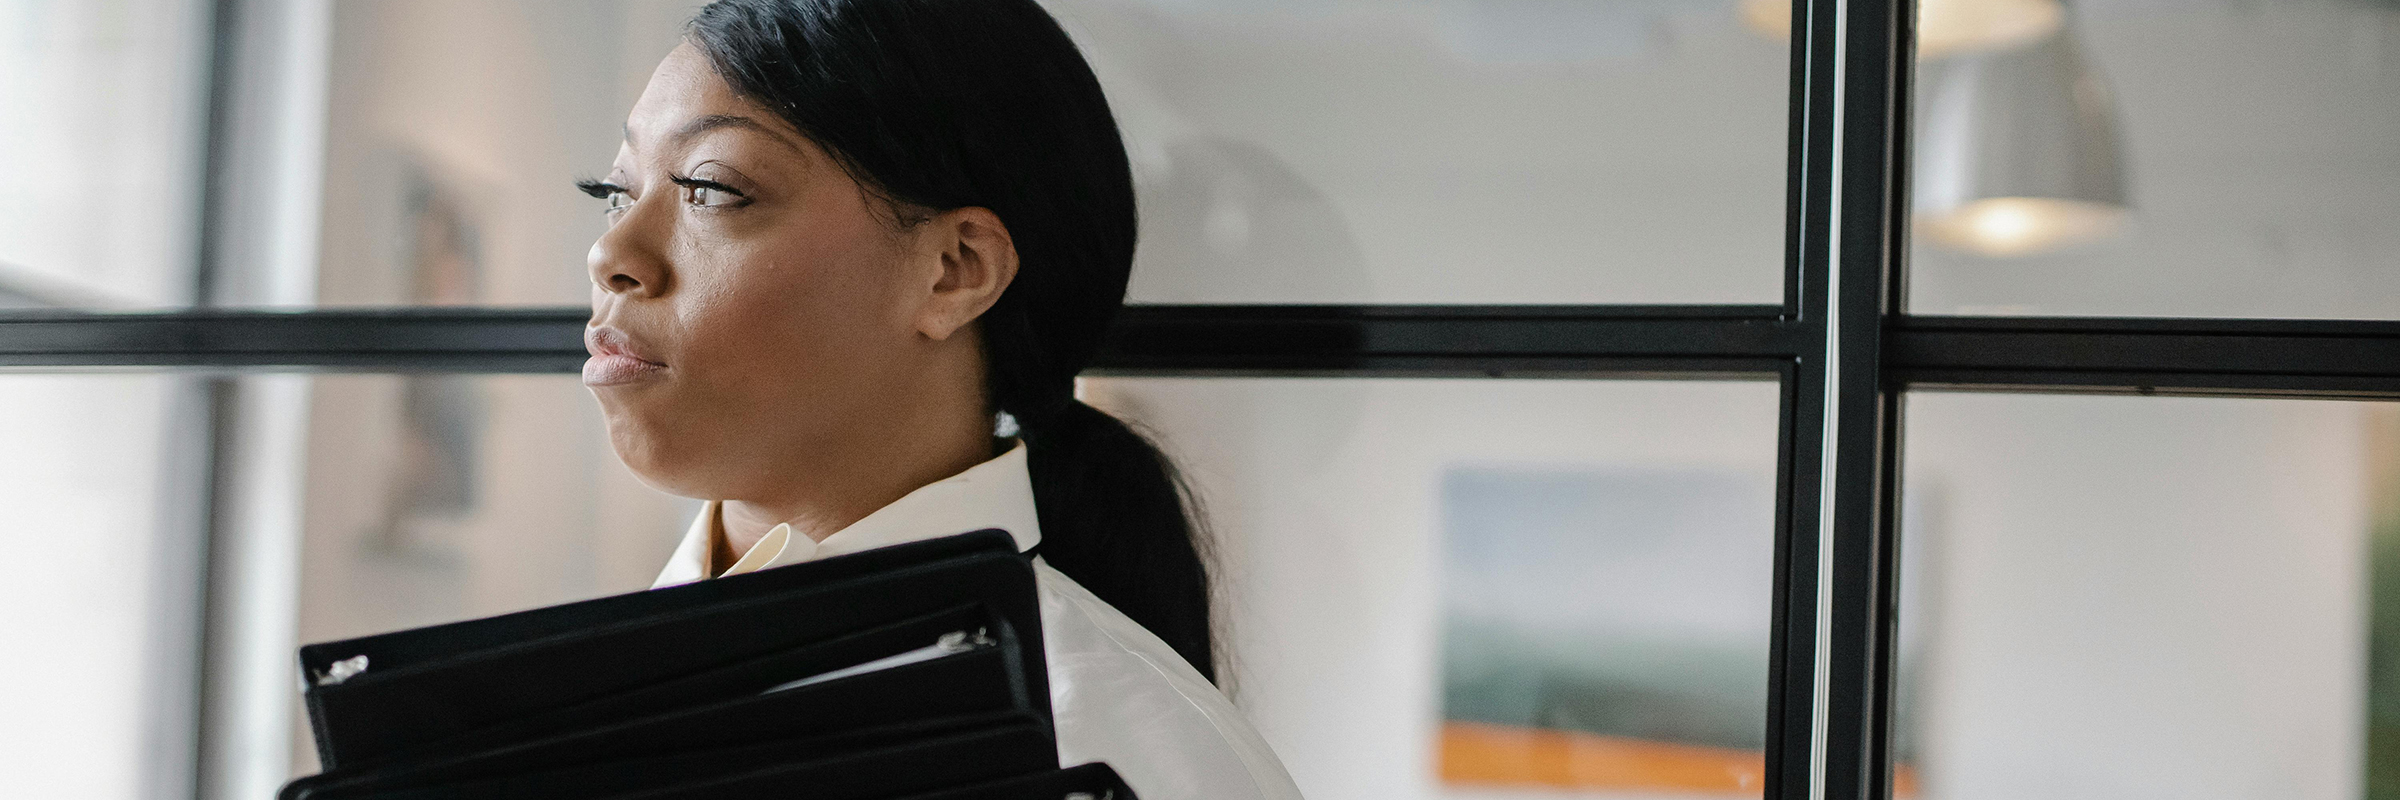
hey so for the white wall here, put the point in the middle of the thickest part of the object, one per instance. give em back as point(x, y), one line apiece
point(2138, 597)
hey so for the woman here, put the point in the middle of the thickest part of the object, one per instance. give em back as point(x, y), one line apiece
point(847, 238)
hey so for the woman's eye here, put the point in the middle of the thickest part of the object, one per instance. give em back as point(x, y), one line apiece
point(616, 197)
point(709, 197)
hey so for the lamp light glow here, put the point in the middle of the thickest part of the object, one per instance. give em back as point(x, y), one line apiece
point(2004, 227)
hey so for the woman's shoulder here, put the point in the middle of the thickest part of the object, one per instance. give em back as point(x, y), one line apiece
point(1107, 629)
point(1120, 694)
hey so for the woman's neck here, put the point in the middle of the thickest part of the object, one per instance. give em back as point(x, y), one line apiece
point(841, 488)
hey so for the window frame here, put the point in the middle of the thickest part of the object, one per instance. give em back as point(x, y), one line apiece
point(1838, 345)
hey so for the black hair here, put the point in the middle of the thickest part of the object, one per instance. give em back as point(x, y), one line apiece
point(943, 104)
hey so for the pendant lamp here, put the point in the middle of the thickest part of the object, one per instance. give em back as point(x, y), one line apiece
point(1944, 27)
point(2017, 152)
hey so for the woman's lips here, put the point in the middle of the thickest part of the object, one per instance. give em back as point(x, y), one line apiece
point(614, 361)
point(618, 370)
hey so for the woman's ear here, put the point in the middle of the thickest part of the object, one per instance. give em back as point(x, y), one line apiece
point(977, 261)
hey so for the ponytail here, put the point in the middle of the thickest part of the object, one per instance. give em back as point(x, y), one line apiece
point(943, 104)
point(1114, 518)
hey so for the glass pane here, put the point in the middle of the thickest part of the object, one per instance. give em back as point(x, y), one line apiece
point(367, 503)
point(432, 498)
point(1323, 151)
point(1485, 588)
point(1540, 585)
point(2166, 159)
point(101, 147)
point(95, 673)
point(1447, 151)
point(453, 138)
point(2109, 597)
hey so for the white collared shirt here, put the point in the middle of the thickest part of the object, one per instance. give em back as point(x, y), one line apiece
point(994, 494)
point(1117, 692)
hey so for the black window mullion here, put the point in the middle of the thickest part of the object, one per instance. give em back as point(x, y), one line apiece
point(1792, 644)
point(1829, 707)
point(1356, 341)
point(2325, 359)
point(2270, 358)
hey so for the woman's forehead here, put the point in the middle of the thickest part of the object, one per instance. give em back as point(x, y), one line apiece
point(686, 99)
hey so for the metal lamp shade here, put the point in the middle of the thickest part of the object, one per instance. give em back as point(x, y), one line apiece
point(2018, 153)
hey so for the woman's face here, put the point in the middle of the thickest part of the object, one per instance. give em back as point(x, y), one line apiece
point(752, 308)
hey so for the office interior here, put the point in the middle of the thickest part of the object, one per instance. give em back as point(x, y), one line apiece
point(1511, 585)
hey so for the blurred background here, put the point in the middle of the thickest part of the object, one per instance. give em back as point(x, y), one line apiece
point(1436, 588)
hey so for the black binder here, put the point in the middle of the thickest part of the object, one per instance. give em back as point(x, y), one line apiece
point(907, 671)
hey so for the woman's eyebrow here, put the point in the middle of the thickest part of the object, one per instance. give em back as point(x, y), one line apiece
point(710, 122)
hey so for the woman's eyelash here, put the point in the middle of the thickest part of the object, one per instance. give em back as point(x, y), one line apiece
point(599, 189)
point(703, 183)
point(619, 198)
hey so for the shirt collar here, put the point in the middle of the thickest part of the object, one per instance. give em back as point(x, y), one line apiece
point(994, 494)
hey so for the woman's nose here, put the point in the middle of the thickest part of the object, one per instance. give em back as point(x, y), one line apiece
point(627, 259)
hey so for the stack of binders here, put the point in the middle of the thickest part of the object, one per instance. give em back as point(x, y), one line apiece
point(912, 671)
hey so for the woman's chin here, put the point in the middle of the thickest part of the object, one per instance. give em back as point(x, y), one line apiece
point(649, 455)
